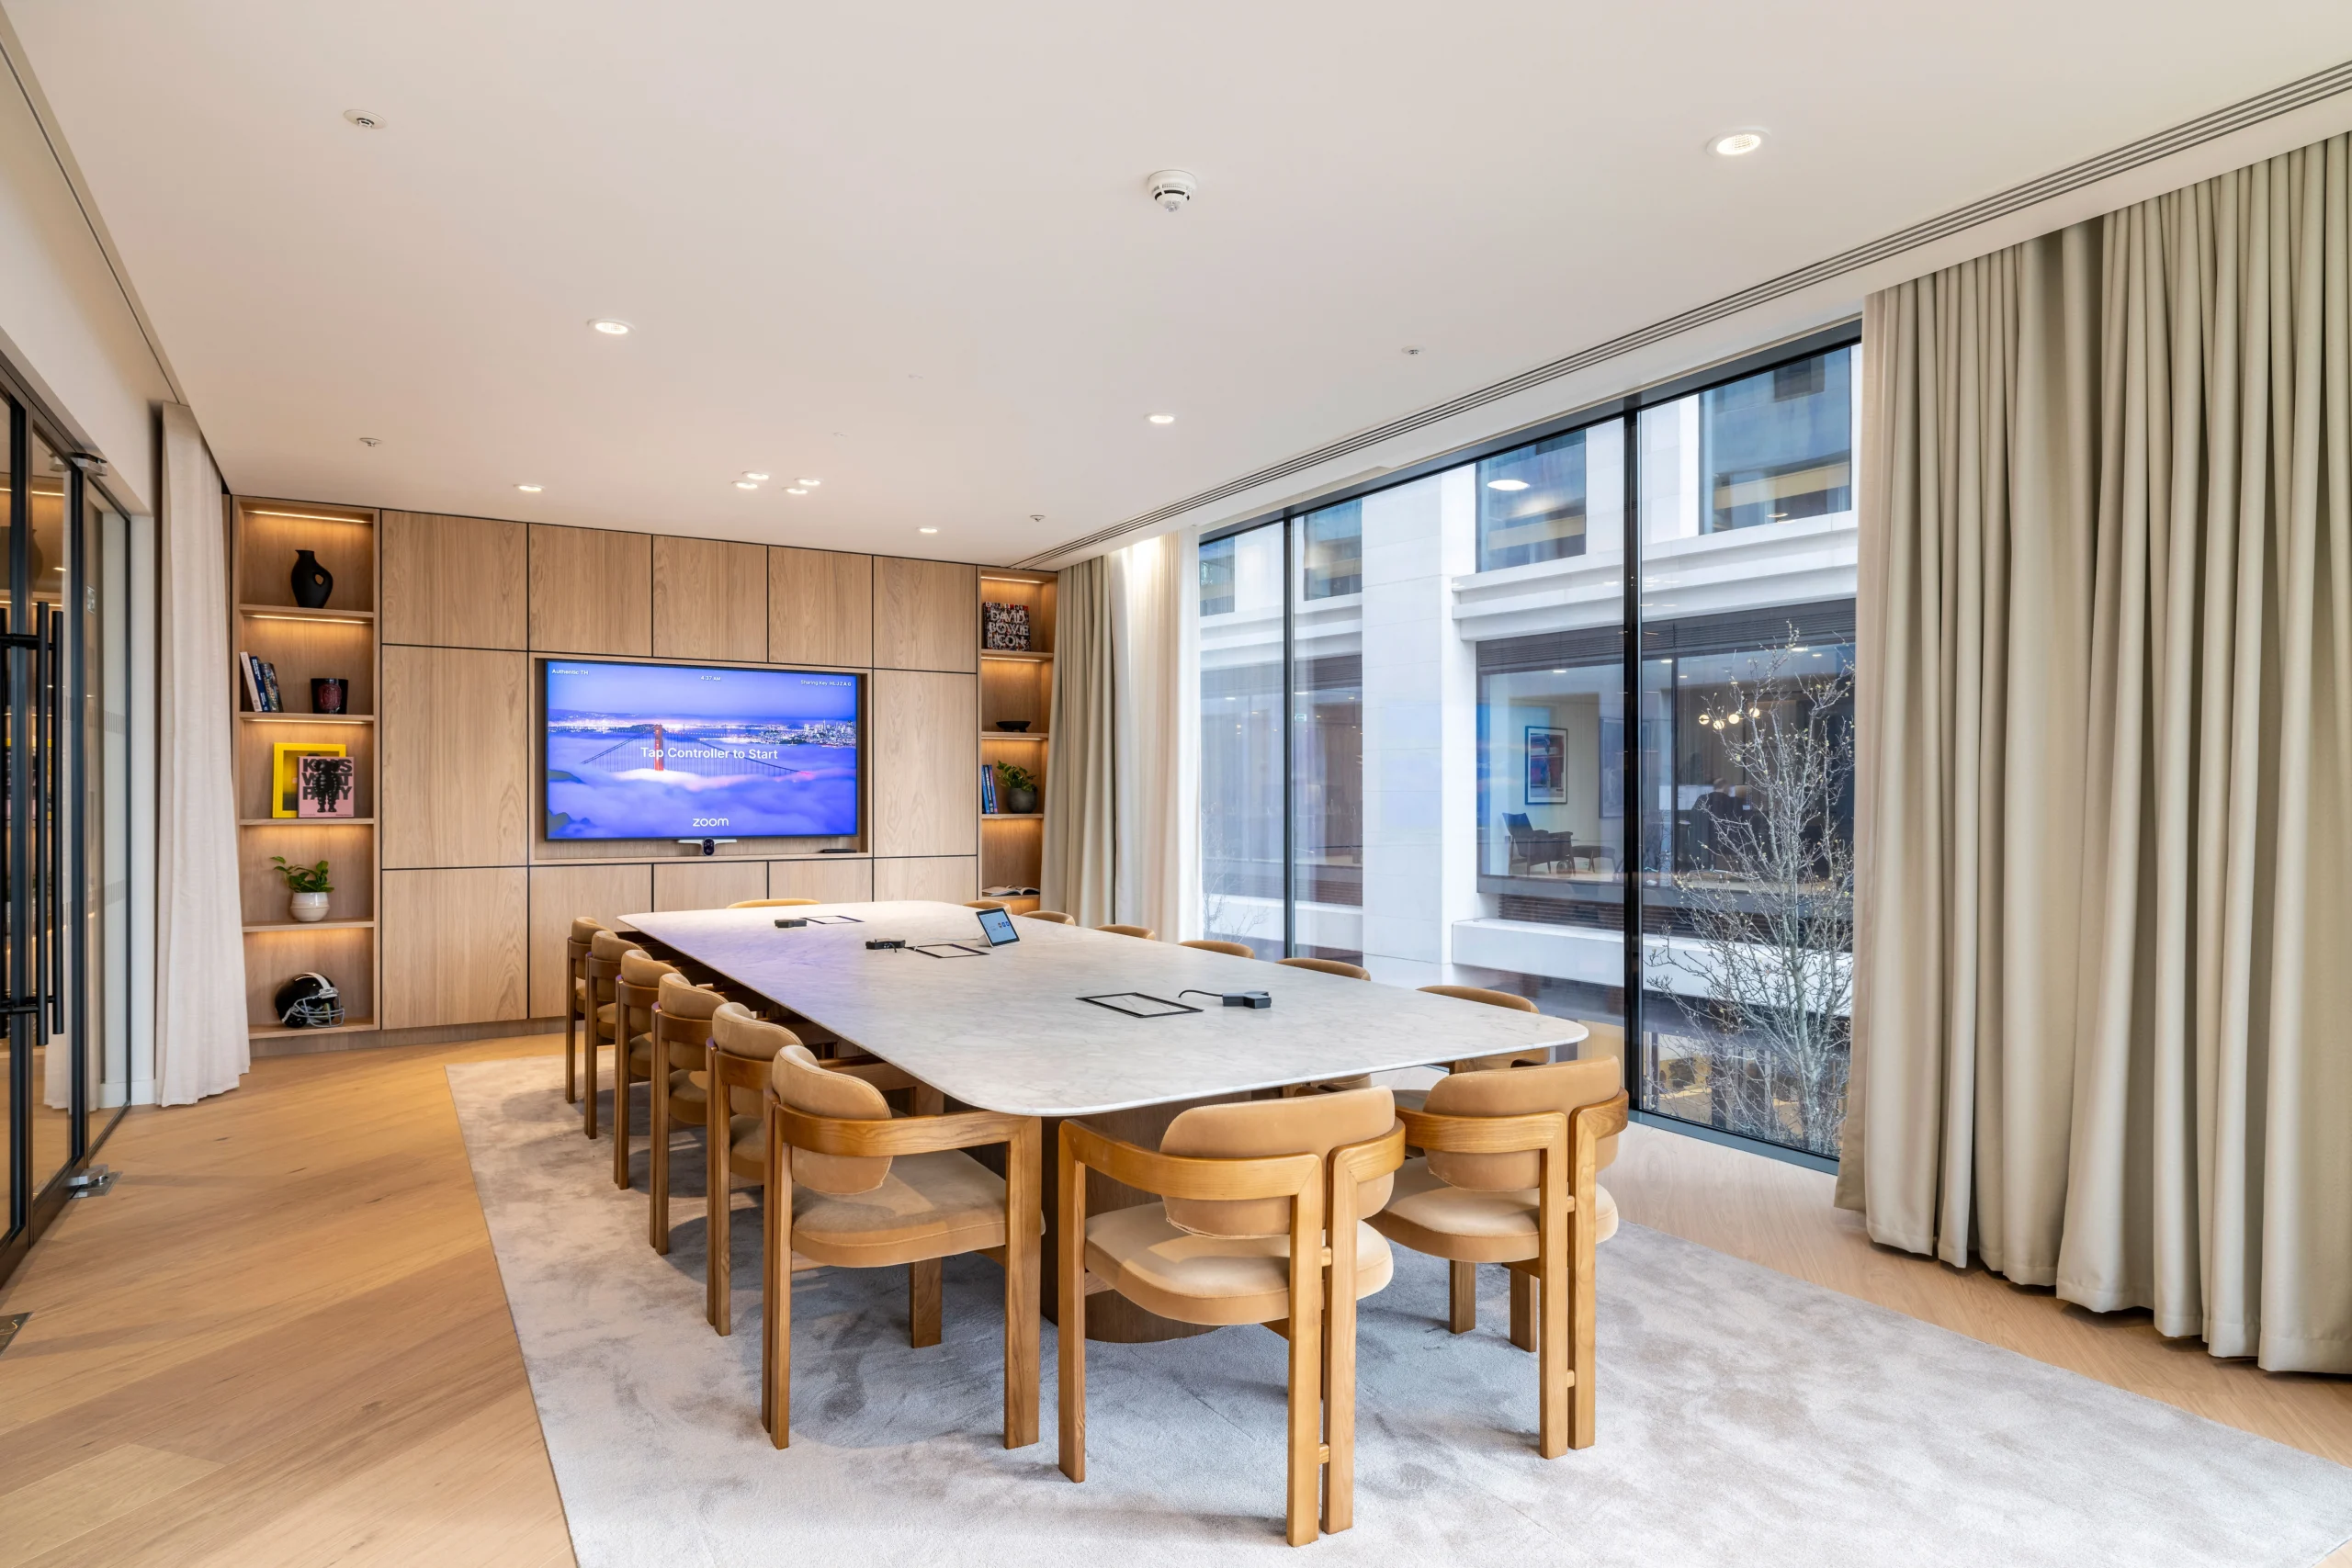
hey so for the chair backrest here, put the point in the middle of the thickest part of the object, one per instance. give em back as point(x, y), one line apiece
point(1516, 1092)
point(1143, 932)
point(808, 1088)
point(746, 1040)
point(1327, 967)
point(1209, 944)
point(1051, 916)
point(583, 931)
point(1516, 823)
point(1253, 1129)
point(984, 904)
point(683, 1010)
point(1480, 994)
point(770, 903)
point(643, 970)
point(606, 950)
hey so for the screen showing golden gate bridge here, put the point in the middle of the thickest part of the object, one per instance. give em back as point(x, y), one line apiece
point(681, 751)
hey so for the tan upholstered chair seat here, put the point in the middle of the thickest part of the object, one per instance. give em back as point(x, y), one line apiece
point(1209, 1278)
point(931, 1205)
point(1467, 1226)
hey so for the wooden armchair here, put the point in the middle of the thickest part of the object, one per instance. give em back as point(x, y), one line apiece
point(1051, 916)
point(1210, 944)
point(1260, 1220)
point(852, 1188)
point(1509, 1176)
point(577, 1008)
point(1146, 932)
point(635, 990)
point(736, 1066)
point(682, 1014)
point(599, 972)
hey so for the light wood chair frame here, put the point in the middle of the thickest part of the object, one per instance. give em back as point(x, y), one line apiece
point(1321, 1328)
point(628, 999)
point(601, 977)
point(575, 958)
point(1551, 1293)
point(669, 1030)
point(785, 1129)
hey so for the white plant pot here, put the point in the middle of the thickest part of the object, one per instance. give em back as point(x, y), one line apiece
point(310, 905)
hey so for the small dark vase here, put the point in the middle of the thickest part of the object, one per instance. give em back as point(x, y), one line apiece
point(328, 693)
point(313, 582)
point(1020, 802)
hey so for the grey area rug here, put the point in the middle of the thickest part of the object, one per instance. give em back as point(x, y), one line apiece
point(1744, 1418)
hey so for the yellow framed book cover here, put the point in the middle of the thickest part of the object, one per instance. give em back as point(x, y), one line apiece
point(282, 772)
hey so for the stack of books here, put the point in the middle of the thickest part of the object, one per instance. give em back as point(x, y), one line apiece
point(988, 789)
point(261, 684)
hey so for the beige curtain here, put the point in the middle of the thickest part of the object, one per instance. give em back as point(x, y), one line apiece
point(1079, 870)
point(1157, 703)
point(200, 1041)
point(2104, 960)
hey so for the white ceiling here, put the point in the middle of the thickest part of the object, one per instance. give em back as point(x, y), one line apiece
point(907, 250)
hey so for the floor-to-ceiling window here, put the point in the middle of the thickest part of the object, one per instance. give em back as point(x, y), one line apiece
point(1430, 746)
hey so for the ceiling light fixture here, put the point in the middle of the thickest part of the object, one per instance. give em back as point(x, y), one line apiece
point(1736, 145)
point(755, 478)
point(747, 484)
point(1506, 484)
point(812, 484)
point(926, 530)
point(611, 328)
point(1161, 418)
point(793, 489)
point(530, 490)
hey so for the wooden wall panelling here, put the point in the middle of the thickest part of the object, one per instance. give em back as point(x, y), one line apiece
point(559, 894)
point(952, 878)
point(707, 884)
point(926, 614)
point(925, 751)
point(349, 850)
point(342, 538)
point(454, 946)
point(592, 590)
point(710, 600)
point(820, 607)
point(834, 880)
point(344, 954)
point(455, 581)
point(457, 757)
point(256, 740)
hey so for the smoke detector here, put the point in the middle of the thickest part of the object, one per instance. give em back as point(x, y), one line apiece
point(1173, 188)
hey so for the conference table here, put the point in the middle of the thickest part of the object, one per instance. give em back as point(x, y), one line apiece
point(1009, 1029)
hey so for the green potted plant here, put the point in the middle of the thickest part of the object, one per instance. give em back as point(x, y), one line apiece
point(1019, 787)
point(308, 885)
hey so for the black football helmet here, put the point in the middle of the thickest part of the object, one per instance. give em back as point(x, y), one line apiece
point(309, 1001)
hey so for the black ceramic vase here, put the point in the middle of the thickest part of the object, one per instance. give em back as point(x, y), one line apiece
point(313, 582)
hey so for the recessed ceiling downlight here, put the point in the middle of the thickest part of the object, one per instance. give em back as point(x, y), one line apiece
point(755, 478)
point(747, 484)
point(1161, 418)
point(926, 530)
point(609, 327)
point(530, 490)
point(793, 489)
point(1736, 143)
point(812, 484)
point(1506, 484)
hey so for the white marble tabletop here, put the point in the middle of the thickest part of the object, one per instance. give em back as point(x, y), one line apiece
point(1007, 1032)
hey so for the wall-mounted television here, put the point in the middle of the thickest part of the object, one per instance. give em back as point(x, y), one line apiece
point(694, 751)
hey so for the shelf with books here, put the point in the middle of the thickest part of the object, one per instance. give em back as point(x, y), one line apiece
point(304, 635)
point(1016, 686)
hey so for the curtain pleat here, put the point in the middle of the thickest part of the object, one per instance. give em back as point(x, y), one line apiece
point(2103, 1014)
point(1079, 868)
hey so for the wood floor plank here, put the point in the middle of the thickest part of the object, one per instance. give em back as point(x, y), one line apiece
point(55, 1510)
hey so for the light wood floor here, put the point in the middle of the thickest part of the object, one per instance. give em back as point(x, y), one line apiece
point(281, 1339)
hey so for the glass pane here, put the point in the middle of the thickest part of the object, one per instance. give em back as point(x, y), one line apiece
point(9, 1218)
point(106, 801)
point(1553, 801)
point(1746, 754)
point(1326, 736)
point(1241, 740)
point(52, 1131)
